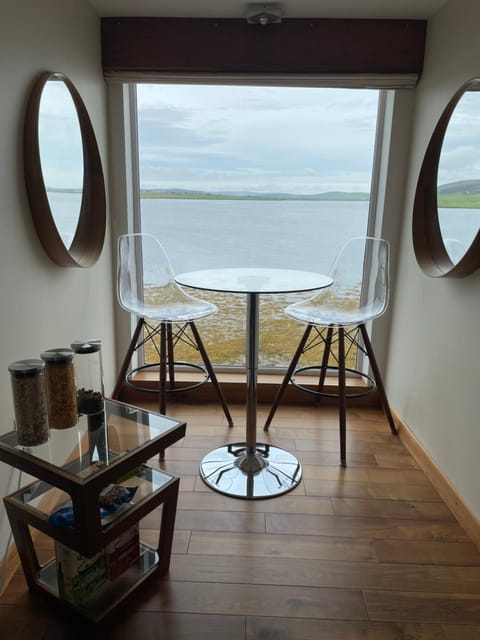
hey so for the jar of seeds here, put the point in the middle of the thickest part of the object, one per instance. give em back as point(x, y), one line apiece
point(90, 398)
point(89, 375)
point(61, 390)
point(30, 402)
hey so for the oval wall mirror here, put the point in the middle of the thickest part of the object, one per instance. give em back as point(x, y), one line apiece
point(446, 211)
point(63, 173)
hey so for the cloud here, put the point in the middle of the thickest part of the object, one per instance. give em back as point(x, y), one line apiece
point(236, 137)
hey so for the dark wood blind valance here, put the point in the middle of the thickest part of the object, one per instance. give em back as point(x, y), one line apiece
point(133, 48)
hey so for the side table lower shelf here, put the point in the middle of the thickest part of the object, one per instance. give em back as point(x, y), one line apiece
point(107, 596)
point(110, 594)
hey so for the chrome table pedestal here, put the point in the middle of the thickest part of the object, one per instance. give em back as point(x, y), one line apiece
point(251, 469)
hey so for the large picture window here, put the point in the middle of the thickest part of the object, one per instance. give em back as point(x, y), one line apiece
point(254, 176)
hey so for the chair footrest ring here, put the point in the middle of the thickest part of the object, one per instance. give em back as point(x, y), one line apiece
point(372, 385)
point(139, 387)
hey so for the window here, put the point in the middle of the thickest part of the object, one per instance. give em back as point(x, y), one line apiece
point(254, 176)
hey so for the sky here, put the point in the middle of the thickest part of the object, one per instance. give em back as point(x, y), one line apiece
point(60, 140)
point(460, 155)
point(258, 139)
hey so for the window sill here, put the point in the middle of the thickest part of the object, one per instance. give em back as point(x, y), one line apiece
point(234, 387)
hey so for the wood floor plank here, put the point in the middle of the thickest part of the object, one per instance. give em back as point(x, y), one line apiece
point(262, 628)
point(281, 546)
point(288, 503)
point(147, 625)
point(179, 467)
point(423, 607)
point(392, 509)
point(387, 476)
point(326, 573)
point(220, 521)
point(326, 435)
point(379, 491)
point(322, 419)
point(331, 459)
point(248, 599)
point(395, 460)
point(22, 622)
point(354, 445)
point(427, 552)
point(181, 539)
point(365, 528)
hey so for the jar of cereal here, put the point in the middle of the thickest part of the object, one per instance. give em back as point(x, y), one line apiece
point(30, 401)
point(61, 388)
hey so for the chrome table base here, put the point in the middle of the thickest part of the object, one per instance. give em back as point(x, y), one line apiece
point(264, 472)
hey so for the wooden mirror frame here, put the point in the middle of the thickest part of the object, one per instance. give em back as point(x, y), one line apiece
point(89, 236)
point(430, 250)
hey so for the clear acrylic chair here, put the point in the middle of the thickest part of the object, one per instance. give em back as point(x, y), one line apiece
point(336, 324)
point(166, 314)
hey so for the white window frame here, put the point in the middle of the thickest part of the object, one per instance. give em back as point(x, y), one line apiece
point(124, 149)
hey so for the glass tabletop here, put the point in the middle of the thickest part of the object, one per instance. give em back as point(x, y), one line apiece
point(253, 280)
point(96, 442)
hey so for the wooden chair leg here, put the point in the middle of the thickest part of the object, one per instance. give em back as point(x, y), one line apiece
point(162, 401)
point(342, 398)
point(378, 379)
point(288, 375)
point(211, 373)
point(170, 357)
point(126, 362)
point(324, 365)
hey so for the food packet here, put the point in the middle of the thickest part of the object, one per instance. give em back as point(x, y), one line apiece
point(111, 499)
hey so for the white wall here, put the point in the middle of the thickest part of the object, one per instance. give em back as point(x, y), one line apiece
point(434, 359)
point(42, 305)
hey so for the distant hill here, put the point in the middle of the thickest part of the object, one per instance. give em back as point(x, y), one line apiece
point(248, 195)
point(463, 194)
point(461, 187)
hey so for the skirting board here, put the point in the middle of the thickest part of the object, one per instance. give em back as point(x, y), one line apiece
point(449, 494)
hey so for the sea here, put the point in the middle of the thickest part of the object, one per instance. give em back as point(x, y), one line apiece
point(298, 234)
point(206, 234)
point(294, 234)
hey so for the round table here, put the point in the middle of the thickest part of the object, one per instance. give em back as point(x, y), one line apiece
point(250, 469)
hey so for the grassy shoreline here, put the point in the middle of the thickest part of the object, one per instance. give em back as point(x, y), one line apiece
point(445, 201)
point(317, 197)
point(224, 334)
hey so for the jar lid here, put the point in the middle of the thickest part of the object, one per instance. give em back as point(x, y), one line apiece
point(86, 346)
point(26, 368)
point(57, 356)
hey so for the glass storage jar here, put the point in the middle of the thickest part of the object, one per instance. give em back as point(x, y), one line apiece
point(90, 394)
point(30, 401)
point(89, 375)
point(61, 388)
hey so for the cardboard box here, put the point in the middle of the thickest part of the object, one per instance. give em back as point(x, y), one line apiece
point(78, 577)
point(122, 552)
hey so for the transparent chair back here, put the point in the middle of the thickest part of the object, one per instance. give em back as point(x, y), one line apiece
point(146, 283)
point(359, 292)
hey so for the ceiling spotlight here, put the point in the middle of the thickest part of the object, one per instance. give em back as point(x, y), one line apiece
point(263, 14)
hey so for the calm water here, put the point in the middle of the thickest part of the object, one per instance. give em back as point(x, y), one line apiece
point(204, 234)
point(238, 233)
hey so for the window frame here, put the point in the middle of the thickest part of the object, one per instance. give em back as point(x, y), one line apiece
point(132, 175)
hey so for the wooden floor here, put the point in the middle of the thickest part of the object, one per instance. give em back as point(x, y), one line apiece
point(368, 552)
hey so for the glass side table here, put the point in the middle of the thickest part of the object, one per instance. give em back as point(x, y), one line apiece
point(74, 466)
